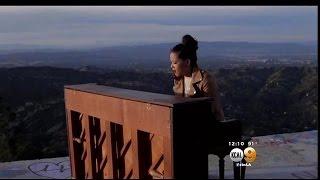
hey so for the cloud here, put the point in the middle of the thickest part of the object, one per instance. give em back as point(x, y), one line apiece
point(180, 15)
point(114, 25)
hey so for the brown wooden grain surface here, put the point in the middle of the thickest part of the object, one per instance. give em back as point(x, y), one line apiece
point(129, 134)
point(71, 147)
point(140, 96)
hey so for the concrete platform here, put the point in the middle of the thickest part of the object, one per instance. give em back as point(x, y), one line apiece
point(284, 156)
point(53, 168)
point(281, 156)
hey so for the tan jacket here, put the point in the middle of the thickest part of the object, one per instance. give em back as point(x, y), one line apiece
point(203, 85)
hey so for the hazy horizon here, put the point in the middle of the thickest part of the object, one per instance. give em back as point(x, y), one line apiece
point(13, 47)
point(106, 26)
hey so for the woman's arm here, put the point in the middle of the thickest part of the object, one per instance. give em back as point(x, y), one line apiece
point(210, 89)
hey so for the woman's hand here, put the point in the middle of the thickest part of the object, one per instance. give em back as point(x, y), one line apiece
point(175, 77)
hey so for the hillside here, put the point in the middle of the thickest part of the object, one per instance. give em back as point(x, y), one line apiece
point(32, 122)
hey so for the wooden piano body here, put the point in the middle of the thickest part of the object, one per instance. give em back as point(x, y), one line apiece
point(119, 133)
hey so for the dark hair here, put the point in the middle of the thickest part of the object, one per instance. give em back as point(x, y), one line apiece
point(187, 49)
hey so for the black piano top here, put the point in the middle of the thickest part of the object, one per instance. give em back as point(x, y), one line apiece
point(147, 97)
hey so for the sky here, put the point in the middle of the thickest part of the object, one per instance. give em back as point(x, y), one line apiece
point(85, 26)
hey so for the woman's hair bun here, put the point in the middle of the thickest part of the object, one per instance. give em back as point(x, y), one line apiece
point(190, 42)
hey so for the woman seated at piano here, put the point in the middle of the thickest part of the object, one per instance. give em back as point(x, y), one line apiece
point(189, 79)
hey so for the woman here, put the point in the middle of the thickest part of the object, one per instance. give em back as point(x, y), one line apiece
point(189, 79)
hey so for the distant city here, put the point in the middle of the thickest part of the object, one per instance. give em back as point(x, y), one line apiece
point(212, 55)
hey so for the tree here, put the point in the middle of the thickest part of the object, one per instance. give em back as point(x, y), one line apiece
point(5, 117)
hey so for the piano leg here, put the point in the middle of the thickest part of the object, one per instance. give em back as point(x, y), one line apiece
point(236, 170)
point(221, 168)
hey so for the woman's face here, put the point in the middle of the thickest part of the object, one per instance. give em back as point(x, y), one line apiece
point(178, 66)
